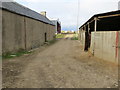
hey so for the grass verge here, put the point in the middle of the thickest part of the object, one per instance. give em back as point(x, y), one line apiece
point(22, 52)
point(75, 37)
point(18, 54)
point(60, 36)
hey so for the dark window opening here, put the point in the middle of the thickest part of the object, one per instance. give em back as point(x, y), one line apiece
point(45, 37)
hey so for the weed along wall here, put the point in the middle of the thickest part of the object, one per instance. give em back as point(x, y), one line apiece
point(24, 33)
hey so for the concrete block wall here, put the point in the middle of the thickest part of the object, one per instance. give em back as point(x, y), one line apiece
point(92, 43)
point(23, 33)
point(104, 45)
point(82, 38)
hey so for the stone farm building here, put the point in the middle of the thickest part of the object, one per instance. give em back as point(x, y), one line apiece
point(57, 25)
point(101, 36)
point(23, 28)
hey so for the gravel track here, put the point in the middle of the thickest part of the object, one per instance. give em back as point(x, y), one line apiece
point(61, 65)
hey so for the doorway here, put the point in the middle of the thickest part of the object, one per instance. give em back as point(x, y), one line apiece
point(86, 41)
point(45, 37)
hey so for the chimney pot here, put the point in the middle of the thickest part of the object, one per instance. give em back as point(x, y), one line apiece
point(43, 13)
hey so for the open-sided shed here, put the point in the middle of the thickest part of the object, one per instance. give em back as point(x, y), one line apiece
point(100, 35)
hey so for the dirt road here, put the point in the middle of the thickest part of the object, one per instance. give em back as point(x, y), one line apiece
point(61, 65)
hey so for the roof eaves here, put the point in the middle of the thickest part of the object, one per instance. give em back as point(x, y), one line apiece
point(101, 14)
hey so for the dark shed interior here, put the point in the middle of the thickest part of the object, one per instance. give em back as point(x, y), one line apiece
point(109, 24)
point(109, 21)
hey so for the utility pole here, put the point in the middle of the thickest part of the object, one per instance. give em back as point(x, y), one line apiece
point(119, 5)
point(78, 16)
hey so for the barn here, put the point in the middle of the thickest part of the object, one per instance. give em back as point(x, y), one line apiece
point(23, 28)
point(101, 35)
point(57, 25)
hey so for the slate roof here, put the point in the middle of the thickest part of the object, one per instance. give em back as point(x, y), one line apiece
point(22, 10)
point(56, 21)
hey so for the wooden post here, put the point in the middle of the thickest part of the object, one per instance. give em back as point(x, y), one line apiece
point(88, 27)
point(109, 16)
point(95, 24)
point(85, 36)
point(95, 29)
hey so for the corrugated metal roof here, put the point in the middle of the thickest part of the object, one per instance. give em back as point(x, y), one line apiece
point(22, 10)
point(102, 14)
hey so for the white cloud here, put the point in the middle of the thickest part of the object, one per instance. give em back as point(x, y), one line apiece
point(66, 10)
point(88, 8)
point(6, 0)
point(49, 0)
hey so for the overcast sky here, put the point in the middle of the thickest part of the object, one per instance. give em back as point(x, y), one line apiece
point(67, 10)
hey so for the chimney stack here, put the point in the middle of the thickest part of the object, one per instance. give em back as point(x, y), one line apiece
point(43, 13)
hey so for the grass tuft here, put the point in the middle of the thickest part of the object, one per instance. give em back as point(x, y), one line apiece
point(18, 54)
point(75, 37)
point(59, 36)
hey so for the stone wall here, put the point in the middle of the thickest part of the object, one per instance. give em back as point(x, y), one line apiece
point(20, 32)
point(13, 32)
point(0, 31)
